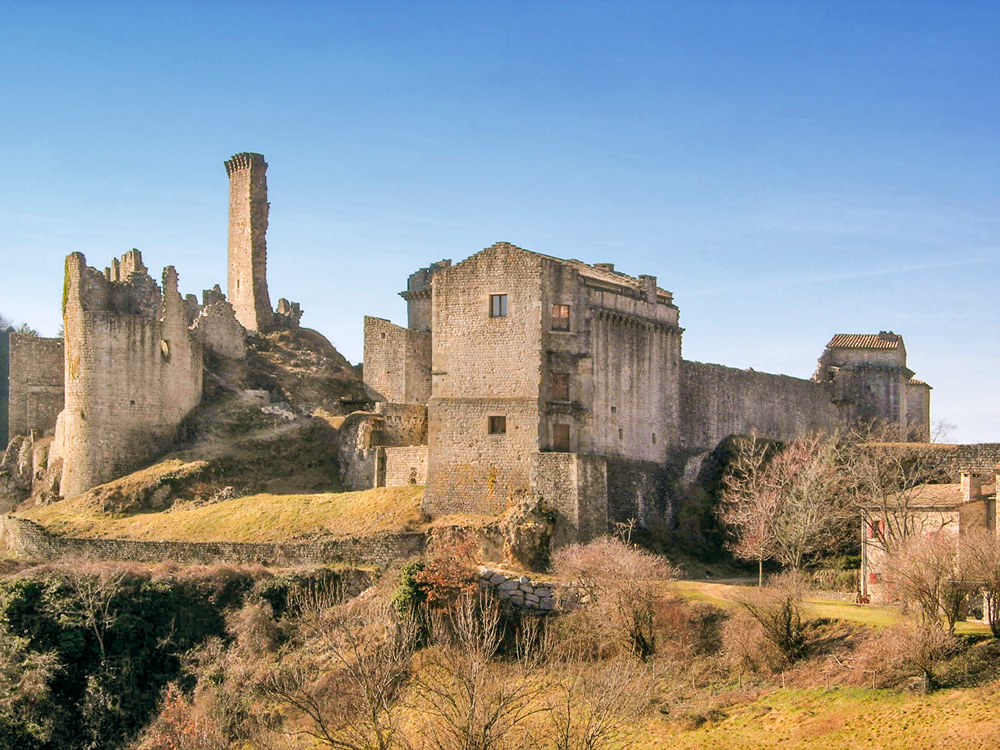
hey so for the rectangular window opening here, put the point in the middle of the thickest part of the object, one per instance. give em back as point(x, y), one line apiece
point(621, 433)
point(560, 317)
point(498, 425)
point(560, 386)
point(498, 305)
point(560, 437)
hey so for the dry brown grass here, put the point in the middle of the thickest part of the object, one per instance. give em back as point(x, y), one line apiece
point(255, 518)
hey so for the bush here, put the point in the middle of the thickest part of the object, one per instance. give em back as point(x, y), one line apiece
point(777, 609)
point(620, 585)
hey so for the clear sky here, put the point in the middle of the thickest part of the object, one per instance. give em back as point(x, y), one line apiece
point(788, 169)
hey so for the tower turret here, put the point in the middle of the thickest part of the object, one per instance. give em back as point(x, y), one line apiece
point(248, 209)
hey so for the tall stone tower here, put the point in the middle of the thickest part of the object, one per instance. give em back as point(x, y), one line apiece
point(248, 208)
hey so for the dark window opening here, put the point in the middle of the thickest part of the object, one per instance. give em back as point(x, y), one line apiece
point(498, 425)
point(560, 317)
point(621, 433)
point(498, 305)
point(560, 386)
point(560, 437)
point(654, 438)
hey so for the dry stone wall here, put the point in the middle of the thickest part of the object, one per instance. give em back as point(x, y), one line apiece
point(36, 384)
point(397, 363)
point(520, 592)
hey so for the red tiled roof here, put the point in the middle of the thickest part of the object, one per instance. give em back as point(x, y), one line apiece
point(865, 341)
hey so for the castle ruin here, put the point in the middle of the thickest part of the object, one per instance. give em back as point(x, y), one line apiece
point(517, 375)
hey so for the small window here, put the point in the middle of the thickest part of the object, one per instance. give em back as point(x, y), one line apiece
point(654, 438)
point(621, 433)
point(873, 578)
point(498, 425)
point(560, 317)
point(560, 437)
point(614, 409)
point(560, 386)
point(498, 305)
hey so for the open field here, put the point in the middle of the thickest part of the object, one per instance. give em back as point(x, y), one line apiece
point(257, 518)
point(842, 718)
point(724, 595)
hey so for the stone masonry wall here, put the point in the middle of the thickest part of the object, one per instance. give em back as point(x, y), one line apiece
point(28, 540)
point(402, 424)
point(470, 470)
point(4, 381)
point(131, 375)
point(248, 213)
point(575, 487)
point(405, 466)
point(484, 366)
point(36, 384)
point(918, 411)
point(719, 401)
point(397, 363)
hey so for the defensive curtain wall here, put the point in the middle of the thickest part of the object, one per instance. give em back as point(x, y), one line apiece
point(36, 384)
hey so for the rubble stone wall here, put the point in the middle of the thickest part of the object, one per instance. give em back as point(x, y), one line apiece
point(36, 384)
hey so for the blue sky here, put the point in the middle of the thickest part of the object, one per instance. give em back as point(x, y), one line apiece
point(790, 170)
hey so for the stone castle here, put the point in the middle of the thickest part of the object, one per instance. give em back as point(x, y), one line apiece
point(517, 374)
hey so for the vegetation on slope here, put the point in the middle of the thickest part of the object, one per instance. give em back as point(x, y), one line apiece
point(255, 518)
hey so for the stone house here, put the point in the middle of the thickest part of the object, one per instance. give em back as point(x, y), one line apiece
point(930, 510)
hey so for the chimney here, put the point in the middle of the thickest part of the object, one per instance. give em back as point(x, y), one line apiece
point(649, 287)
point(972, 486)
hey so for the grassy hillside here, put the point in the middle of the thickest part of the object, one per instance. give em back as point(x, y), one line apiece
point(258, 518)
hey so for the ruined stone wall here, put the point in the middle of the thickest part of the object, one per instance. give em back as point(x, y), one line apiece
point(418, 296)
point(872, 393)
point(248, 212)
point(133, 372)
point(918, 411)
point(4, 381)
point(218, 330)
point(719, 401)
point(401, 425)
point(405, 466)
point(397, 363)
point(575, 487)
point(36, 384)
point(484, 366)
point(978, 457)
point(27, 540)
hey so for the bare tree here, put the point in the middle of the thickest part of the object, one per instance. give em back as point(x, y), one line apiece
point(95, 587)
point(980, 561)
point(925, 571)
point(784, 504)
point(592, 701)
point(882, 478)
point(473, 699)
point(347, 676)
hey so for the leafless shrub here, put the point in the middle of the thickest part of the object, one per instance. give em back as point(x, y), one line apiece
point(620, 586)
point(472, 700)
point(746, 649)
point(911, 648)
point(980, 557)
point(777, 609)
point(346, 676)
point(925, 571)
point(591, 703)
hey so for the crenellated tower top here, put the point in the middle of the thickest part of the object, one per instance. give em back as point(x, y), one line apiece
point(248, 213)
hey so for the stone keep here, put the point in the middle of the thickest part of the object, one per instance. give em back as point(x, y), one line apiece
point(560, 379)
point(133, 370)
point(248, 210)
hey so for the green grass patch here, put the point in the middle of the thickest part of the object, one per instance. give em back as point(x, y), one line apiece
point(254, 518)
